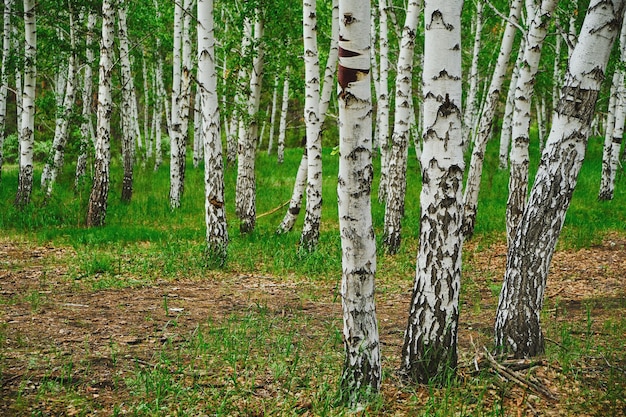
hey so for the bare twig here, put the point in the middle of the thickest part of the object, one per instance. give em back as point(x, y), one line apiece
point(274, 210)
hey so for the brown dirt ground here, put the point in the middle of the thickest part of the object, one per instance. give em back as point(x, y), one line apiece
point(69, 321)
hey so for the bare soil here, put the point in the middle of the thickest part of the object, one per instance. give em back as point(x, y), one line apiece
point(50, 320)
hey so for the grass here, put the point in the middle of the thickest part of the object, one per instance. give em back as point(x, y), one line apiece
point(259, 362)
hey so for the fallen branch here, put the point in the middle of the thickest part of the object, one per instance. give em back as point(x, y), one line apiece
point(272, 211)
point(513, 376)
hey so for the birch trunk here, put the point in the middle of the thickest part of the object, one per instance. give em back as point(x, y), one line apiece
point(96, 212)
point(398, 148)
point(282, 129)
point(270, 144)
point(245, 203)
point(517, 326)
point(198, 142)
point(362, 369)
point(429, 353)
point(128, 124)
point(176, 153)
point(507, 119)
point(472, 188)
point(146, 99)
point(520, 134)
point(185, 91)
point(382, 107)
point(55, 163)
point(215, 211)
point(312, 218)
point(4, 75)
point(613, 136)
point(27, 125)
point(471, 106)
point(296, 197)
point(87, 134)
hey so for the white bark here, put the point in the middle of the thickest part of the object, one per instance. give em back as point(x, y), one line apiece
point(282, 128)
point(429, 352)
point(613, 136)
point(55, 163)
point(520, 133)
point(296, 197)
point(470, 198)
point(146, 99)
point(215, 211)
point(185, 91)
point(4, 75)
point(397, 150)
point(27, 123)
point(362, 369)
point(517, 327)
point(382, 117)
point(471, 105)
point(97, 209)
point(198, 143)
point(312, 219)
point(176, 153)
point(273, 116)
point(331, 64)
point(507, 118)
point(245, 204)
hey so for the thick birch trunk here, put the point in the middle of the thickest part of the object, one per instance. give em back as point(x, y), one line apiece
point(382, 107)
point(215, 211)
point(87, 134)
point(55, 164)
point(282, 128)
point(312, 218)
point(398, 148)
point(27, 125)
point(520, 133)
point(613, 136)
point(429, 353)
point(96, 212)
point(362, 369)
point(245, 203)
point(128, 101)
point(185, 93)
point(176, 153)
point(472, 188)
point(517, 327)
point(4, 75)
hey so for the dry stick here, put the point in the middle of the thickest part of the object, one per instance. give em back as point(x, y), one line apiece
point(514, 377)
point(272, 211)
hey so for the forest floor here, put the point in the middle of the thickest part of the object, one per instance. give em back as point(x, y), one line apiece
point(58, 331)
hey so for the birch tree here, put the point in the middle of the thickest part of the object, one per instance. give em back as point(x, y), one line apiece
point(270, 143)
point(429, 352)
point(362, 369)
point(382, 108)
point(176, 153)
point(517, 326)
point(471, 106)
point(472, 187)
point(96, 211)
point(55, 161)
point(4, 75)
point(27, 123)
point(282, 126)
point(312, 219)
point(520, 133)
point(614, 133)
point(215, 211)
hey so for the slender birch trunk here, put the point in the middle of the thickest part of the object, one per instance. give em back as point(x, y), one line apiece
point(27, 125)
point(382, 107)
point(295, 203)
point(96, 212)
point(128, 126)
point(520, 134)
point(4, 75)
point(176, 153)
point(273, 116)
point(55, 163)
point(472, 187)
point(507, 119)
point(185, 91)
point(19, 86)
point(471, 105)
point(87, 134)
point(398, 148)
point(517, 326)
point(362, 369)
point(198, 143)
point(375, 79)
point(282, 128)
point(146, 99)
point(613, 136)
point(215, 211)
point(161, 106)
point(245, 203)
point(312, 218)
point(429, 353)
